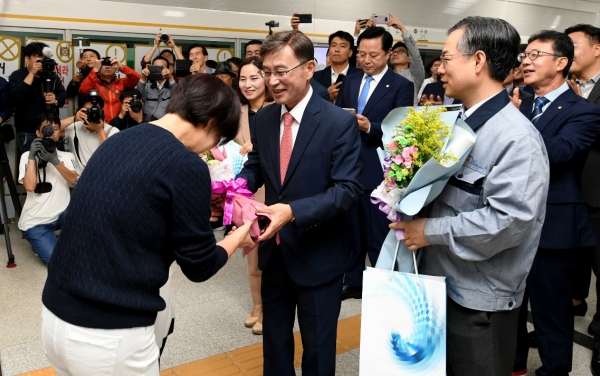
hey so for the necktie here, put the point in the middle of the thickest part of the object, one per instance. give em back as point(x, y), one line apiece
point(540, 102)
point(362, 99)
point(285, 149)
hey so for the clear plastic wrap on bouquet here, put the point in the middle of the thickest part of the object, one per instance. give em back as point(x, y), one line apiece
point(427, 183)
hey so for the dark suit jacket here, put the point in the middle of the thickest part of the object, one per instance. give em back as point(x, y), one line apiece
point(392, 92)
point(591, 171)
point(322, 182)
point(522, 93)
point(568, 126)
point(437, 89)
point(6, 109)
point(324, 76)
point(319, 89)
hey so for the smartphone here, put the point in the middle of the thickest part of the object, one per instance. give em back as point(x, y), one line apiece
point(350, 110)
point(340, 78)
point(363, 23)
point(155, 72)
point(381, 19)
point(304, 18)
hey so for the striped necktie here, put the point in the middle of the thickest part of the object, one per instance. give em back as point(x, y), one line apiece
point(540, 102)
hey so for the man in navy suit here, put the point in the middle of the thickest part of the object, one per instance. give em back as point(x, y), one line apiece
point(341, 45)
point(372, 95)
point(568, 124)
point(307, 154)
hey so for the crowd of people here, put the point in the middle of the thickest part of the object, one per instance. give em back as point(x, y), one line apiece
point(518, 224)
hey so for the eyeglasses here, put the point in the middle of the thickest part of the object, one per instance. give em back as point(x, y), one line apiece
point(533, 54)
point(444, 58)
point(399, 52)
point(279, 74)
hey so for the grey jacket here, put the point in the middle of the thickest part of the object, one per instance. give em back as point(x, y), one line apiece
point(155, 100)
point(485, 226)
point(416, 72)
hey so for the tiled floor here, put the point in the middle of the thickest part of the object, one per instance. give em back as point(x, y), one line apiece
point(209, 330)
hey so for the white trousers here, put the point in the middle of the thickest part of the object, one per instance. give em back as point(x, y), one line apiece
point(74, 350)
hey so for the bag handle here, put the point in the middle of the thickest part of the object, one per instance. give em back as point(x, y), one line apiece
point(396, 258)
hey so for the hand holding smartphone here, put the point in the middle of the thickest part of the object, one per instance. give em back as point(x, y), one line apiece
point(304, 18)
point(381, 19)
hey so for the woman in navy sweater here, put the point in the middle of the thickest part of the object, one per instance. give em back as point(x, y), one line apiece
point(143, 202)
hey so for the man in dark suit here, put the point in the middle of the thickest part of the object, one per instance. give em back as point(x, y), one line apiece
point(568, 125)
point(341, 45)
point(372, 95)
point(586, 68)
point(307, 155)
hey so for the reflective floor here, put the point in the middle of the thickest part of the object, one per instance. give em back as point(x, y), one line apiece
point(210, 336)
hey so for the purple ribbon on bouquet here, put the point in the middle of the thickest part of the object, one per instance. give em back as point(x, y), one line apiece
point(230, 188)
point(388, 211)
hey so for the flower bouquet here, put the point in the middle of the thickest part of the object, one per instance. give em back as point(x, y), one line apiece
point(238, 206)
point(423, 148)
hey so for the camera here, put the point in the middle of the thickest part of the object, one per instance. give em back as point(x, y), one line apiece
point(164, 38)
point(272, 24)
point(49, 66)
point(135, 104)
point(106, 61)
point(95, 113)
point(47, 141)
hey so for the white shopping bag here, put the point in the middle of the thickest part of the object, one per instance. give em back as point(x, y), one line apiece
point(403, 324)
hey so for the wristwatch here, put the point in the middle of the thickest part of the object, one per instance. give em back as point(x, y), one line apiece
point(56, 103)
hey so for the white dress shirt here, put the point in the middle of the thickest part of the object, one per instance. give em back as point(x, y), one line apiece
point(551, 96)
point(297, 113)
point(334, 76)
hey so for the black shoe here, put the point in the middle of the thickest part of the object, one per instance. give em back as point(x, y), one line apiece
point(591, 329)
point(352, 292)
point(532, 340)
point(581, 309)
point(596, 360)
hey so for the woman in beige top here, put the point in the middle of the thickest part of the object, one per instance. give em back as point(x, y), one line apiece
point(254, 95)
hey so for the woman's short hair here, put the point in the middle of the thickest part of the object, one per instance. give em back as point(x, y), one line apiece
point(257, 62)
point(202, 97)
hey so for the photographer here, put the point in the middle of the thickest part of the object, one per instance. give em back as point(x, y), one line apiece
point(103, 78)
point(156, 94)
point(47, 187)
point(167, 54)
point(85, 135)
point(85, 64)
point(131, 110)
point(28, 97)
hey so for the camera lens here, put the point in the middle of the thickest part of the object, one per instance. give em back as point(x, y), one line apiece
point(164, 38)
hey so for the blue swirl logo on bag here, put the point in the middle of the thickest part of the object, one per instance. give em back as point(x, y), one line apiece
point(403, 324)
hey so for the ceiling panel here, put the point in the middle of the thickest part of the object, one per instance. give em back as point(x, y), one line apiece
point(528, 16)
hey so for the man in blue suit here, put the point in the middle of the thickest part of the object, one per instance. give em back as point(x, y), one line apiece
point(341, 46)
point(307, 154)
point(568, 124)
point(372, 95)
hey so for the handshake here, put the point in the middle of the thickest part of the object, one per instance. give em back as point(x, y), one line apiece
point(45, 148)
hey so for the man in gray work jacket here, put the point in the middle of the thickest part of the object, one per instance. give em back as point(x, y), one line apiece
point(483, 230)
point(157, 93)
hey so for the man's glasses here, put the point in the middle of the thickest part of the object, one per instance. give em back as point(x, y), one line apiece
point(399, 52)
point(444, 58)
point(534, 54)
point(279, 74)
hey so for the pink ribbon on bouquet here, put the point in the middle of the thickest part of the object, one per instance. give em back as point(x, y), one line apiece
point(230, 188)
point(385, 208)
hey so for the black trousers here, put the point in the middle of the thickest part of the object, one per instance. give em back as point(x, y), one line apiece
point(595, 262)
point(368, 227)
point(549, 290)
point(480, 343)
point(318, 312)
